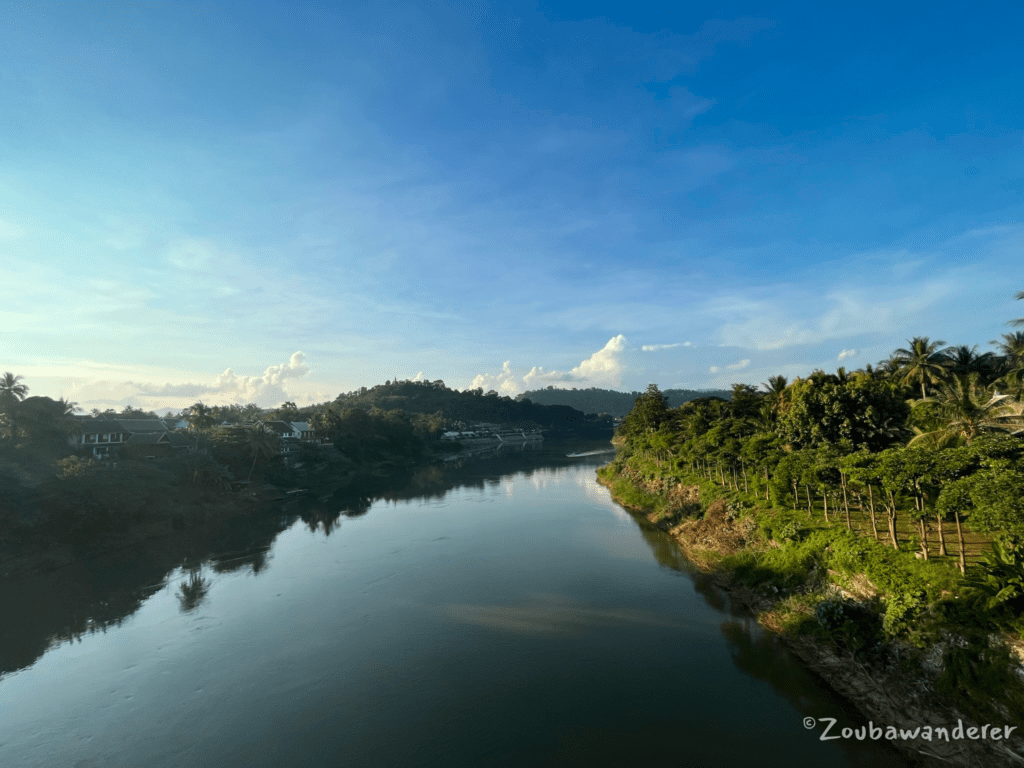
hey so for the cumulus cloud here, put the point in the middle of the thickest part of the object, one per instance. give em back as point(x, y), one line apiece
point(267, 389)
point(658, 347)
point(604, 368)
point(504, 382)
point(847, 353)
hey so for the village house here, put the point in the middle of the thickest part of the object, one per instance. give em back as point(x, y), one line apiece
point(104, 437)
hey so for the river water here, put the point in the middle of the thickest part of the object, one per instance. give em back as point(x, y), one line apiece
point(499, 611)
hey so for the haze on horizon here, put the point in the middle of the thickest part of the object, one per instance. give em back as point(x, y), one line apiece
point(270, 201)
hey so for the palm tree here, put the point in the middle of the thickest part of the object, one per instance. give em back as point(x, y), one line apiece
point(11, 391)
point(1019, 322)
point(200, 418)
point(962, 360)
point(775, 386)
point(1012, 368)
point(888, 368)
point(921, 362)
point(966, 409)
point(262, 443)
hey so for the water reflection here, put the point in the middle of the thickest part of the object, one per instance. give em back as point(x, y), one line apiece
point(548, 614)
point(763, 656)
point(191, 593)
point(91, 595)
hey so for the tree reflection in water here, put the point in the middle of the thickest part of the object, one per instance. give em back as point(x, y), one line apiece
point(194, 591)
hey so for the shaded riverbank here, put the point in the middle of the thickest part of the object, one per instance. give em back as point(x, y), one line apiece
point(887, 691)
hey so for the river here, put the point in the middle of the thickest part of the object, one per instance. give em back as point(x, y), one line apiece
point(499, 611)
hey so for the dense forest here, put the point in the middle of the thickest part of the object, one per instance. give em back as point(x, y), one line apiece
point(595, 400)
point(888, 502)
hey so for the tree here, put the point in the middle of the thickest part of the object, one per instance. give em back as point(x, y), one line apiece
point(921, 362)
point(962, 360)
point(966, 410)
point(200, 468)
point(861, 412)
point(1019, 322)
point(43, 421)
point(200, 417)
point(262, 443)
point(11, 392)
point(1012, 374)
point(649, 412)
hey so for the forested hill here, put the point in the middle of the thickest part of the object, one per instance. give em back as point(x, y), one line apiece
point(594, 400)
point(472, 406)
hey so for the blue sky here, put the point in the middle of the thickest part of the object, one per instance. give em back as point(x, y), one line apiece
point(258, 202)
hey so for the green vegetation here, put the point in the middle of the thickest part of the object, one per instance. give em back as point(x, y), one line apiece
point(54, 493)
point(595, 400)
point(884, 507)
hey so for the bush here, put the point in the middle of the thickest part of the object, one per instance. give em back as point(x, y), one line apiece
point(979, 677)
point(853, 626)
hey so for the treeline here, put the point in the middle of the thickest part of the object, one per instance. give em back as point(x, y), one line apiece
point(949, 456)
point(609, 401)
point(464, 408)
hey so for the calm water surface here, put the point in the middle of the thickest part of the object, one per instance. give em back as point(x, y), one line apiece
point(501, 612)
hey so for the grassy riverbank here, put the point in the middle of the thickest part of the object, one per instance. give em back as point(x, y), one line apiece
point(897, 635)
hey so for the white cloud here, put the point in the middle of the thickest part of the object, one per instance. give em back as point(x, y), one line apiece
point(847, 353)
point(658, 347)
point(714, 369)
point(738, 366)
point(265, 390)
point(504, 383)
point(603, 368)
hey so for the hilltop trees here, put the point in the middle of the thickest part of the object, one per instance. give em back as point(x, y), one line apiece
point(860, 412)
point(649, 412)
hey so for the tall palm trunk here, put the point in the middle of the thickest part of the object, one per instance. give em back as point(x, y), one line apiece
point(960, 540)
point(846, 502)
point(890, 513)
point(871, 502)
point(810, 509)
point(824, 499)
point(924, 537)
point(942, 536)
point(743, 466)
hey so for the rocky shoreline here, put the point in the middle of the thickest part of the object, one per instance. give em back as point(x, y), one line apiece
point(886, 695)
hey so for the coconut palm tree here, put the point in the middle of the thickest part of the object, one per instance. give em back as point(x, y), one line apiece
point(775, 386)
point(888, 369)
point(1012, 349)
point(1019, 322)
point(921, 362)
point(200, 418)
point(262, 444)
point(11, 391)
point(962, 360)
point(965, 409)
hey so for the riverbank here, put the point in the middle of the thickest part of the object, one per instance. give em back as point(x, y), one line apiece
point(829, 616)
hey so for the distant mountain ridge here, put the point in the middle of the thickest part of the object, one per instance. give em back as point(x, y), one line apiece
point(595, 400)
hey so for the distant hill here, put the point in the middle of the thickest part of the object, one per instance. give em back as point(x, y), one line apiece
point(430, 397)
point(594, 400)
